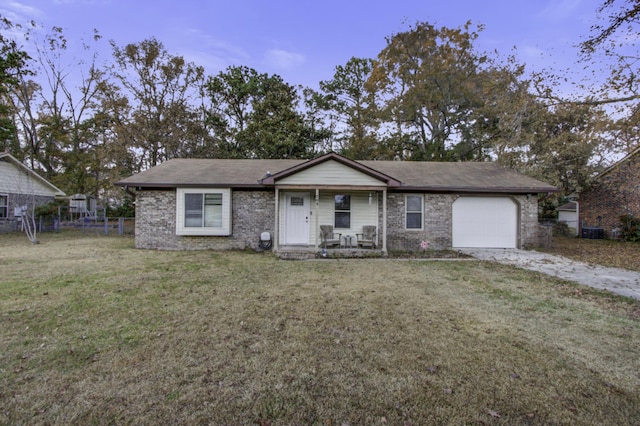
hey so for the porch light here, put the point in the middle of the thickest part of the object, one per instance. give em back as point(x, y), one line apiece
point(369, 197)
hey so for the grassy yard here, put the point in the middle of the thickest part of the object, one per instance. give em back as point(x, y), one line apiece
point(94, 331)
point(617, 254)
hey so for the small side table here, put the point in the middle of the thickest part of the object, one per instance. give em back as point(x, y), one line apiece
point(346, 241)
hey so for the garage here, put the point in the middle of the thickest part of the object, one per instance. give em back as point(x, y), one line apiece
point(485, 222)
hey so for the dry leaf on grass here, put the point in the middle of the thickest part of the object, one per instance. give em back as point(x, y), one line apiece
point(493, 413)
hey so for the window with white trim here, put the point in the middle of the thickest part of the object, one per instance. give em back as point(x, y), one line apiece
point(413, 211)
point(203, 211)
point(4, 206)
point(342, 218)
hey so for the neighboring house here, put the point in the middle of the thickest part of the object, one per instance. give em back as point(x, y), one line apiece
point(21, 187)
point(227, 204)
point(568, 213)
point(615, 192)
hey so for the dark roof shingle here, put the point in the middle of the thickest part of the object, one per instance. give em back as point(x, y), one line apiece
point(413, 175)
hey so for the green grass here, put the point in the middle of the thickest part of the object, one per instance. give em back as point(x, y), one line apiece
point(95, 331)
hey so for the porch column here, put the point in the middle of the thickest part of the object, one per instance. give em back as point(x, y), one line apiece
point(316, 220)
point(276, 236)
point(384, 220)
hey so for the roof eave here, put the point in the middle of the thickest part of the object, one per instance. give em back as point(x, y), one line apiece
point(163, 185)
point(475, 190)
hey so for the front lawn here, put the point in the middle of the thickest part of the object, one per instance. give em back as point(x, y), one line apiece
point(95, 331)
point(617, 254)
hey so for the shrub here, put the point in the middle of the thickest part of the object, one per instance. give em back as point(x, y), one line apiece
point(630, 228)
point(50, 209)
point(125, 209)
point(561, 229)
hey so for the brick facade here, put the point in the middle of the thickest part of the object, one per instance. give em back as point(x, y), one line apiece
point(253, 212)
point(436, 222)
point(438, 226)
point(615, 193)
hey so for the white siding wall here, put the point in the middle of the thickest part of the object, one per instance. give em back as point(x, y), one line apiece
point(361, 212)
point(570, 218)
point(14, 181)
point(330, 173)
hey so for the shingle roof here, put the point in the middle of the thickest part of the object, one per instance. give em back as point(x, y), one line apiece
point(461, 176)
point(571, 206)
point(413, 175)
point(208, 172)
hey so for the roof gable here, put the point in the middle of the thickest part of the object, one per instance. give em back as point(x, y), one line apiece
point(571, 206)
point(633, 155)
point(12, 179)
point(332, 162)
point(331, 173)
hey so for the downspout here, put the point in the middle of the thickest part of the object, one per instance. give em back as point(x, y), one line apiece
point(578, 224)
point(128, 191)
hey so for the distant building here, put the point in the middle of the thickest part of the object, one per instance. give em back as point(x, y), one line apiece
point(615, 192)
point(21, 188)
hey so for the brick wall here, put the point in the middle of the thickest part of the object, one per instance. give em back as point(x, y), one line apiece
point(531, 233)
point(252, 213)
point(614, 194)
point(437, 227)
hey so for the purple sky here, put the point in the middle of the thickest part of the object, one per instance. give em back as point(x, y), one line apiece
point(304, 41)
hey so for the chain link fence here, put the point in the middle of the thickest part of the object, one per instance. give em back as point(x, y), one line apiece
point(104, 225)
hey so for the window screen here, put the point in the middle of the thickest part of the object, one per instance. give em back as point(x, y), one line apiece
point(414, 212)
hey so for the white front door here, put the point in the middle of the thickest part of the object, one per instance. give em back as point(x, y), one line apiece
point(296, 220)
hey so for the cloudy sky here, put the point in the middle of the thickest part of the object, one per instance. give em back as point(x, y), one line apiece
point(303, 41)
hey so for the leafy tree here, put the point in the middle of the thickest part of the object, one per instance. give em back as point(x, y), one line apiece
point(255, 116)
point(321, 127)
point(623, 15)
point(428, 77)
point(232, 95)
point(567, 144)
point(13, 65)
point(52, 115)
point(354, 108)
point(630, 228)
point(615, 37)
point(160, 88)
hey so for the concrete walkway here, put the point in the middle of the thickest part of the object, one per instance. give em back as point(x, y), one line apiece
point(615, 280)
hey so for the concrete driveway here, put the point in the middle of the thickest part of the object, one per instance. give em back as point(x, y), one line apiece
point(615, 280)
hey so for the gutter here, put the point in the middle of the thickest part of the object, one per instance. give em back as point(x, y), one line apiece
point(128, 191)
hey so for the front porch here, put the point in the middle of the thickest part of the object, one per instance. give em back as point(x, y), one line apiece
point(336, 220)
point(330, 196)
point(311, 252)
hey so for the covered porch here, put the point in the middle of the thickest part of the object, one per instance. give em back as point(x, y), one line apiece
point(335, 221)
point(330, 205)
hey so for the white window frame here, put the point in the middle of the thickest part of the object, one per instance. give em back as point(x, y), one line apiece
point(224, 230)
point(407, 211)
point(343, 211)
point(5, 207)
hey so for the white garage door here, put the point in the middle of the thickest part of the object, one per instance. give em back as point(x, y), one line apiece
point(487, 222)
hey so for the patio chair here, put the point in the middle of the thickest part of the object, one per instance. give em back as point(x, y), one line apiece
point(368, 237)
point(328, 237)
